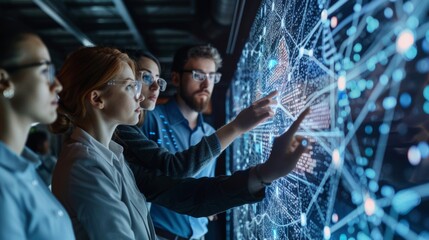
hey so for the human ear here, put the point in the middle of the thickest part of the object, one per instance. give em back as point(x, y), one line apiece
point(6, 86)
point(175, 78)
point(95, 99)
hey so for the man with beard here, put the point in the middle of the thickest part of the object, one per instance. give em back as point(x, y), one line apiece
point(179, 124)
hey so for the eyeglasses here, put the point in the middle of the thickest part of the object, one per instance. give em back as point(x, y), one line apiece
point(136, 86)
point(148, 79)
point(201, 76)
point(50, 71)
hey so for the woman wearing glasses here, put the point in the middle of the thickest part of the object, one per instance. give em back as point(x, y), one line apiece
point(28, 94)
point(92, 179)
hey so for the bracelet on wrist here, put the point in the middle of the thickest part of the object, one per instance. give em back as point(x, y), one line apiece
point(259, 177)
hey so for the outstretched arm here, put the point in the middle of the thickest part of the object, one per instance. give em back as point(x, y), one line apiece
point(146, 154)
point(286, 151)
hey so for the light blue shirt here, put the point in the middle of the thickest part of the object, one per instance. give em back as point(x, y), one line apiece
point(28, 210)
point(167, 126)
point(98, 189)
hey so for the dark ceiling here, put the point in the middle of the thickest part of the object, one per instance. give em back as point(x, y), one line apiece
point(159, 26)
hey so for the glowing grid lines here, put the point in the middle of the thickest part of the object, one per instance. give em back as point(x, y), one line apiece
point(351, 61)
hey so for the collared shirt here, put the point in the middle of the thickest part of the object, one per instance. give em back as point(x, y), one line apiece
point(170, 129)
point(98, 190)
point(28, 209)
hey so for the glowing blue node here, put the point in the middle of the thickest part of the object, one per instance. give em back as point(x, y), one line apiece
point(426, 107)
point(362, 236)
point(369, 84)
point(369, 151)
point(398, 75)
point(303, 219)
point(343, 237)
point(384, 128)
point(372, 24)
point(351, 31)
point(372, 107)
point(362, 161)
point(356, 57)
point(384, 79)
point(423, 65)
point(405, 100)
point(388, 13)
point(426, 92)
point(412, 22)
point(424, 149)
point(357, 7)
point(272, 63)
point(356, 198)
point(368, 129)
point(370, 173)
point(389, 103)
point(411, 53)
point(387, 191)
point(358, 47)
point(304, 143)
point(360, 171)
point(408, 7)
point(373, 186)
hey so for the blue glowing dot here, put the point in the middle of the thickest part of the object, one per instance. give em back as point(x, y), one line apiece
point(359, 171)
point(387, 191)
point(424, 149)
point(369, 84)
point(405, 200)
point(356, 57)
point(362, 161)
point(412, 22)
point(370, 173)
point(405, 100)
point(356, 197)
point(304, 142)
point(272, 63)
point(369, 152)
point(373, 24)
point(362, 236)
point(357, 7)
point(398, 75)
point(373, 186)
point(411, 53)
point(357, 47)
point(351, 31)
point(426, 107)
point(384, 128)
point(425, 46)
point(389, 103)
point(426, 92)
point(408, 7)
point(368, 129)
point(343, 236)
point(340, 120)
point(388, 13)
point(384, 79)
point(422, 65)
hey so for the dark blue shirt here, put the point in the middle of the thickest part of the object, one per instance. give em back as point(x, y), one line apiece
point(168, 127)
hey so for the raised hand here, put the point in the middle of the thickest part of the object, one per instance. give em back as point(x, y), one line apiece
point(285, 153)
point(258, 112)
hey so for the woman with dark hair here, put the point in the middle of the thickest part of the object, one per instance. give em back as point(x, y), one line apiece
point(94, 182)
point(28, 94)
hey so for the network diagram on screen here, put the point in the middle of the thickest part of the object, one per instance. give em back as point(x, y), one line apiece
point(363, 68)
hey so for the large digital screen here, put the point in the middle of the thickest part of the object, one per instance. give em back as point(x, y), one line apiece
point(363, 68)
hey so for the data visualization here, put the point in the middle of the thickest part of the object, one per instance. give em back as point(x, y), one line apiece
point(363, 68)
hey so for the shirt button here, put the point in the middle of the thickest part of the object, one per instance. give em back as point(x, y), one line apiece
point(60, 213)
point(34, 183)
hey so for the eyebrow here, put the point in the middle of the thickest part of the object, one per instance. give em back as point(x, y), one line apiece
point(147, 70)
